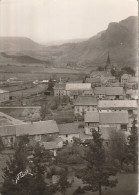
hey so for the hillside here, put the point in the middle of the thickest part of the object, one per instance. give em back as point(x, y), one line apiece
point(17, 44)
point(119, 39)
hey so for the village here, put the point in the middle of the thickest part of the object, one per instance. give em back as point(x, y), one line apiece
point(57, 113)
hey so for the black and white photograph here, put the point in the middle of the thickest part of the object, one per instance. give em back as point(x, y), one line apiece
point(69, 97)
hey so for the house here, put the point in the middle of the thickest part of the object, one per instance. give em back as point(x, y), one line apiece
point(97, 121)
point(4, 95)
point(68, 131)
point(117, 119)
point(78, 87)
point(59, 89)
point(132, 94)
point(100, 92)
point(54, 145)
point(84, 104)
point(91, 120)
point(42, 131)
point(110, 93)
point(125, 78)
point(117, 105)
point(133, 83)
point(8, 135)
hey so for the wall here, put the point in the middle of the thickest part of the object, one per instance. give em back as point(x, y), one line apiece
point(80, 109)
point(9, 141)
point(4, 97)
point(69, 138)
point(88, 127)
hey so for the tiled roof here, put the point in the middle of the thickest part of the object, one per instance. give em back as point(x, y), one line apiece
point(99, 90)
point(92, 117)
point(7, 130)
point(86, 101)
point(114, 117)
point(3, 91)
point(117, 104)
point(68, 128)
point(108, 90)
point(37, 128)
point(59, 86)
point(114, 90)
point(78, 86)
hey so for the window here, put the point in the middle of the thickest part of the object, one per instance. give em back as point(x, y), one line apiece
point(124, 127)
point(11, 139)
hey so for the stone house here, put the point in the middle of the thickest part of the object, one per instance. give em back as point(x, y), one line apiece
point(97, 121)
point(78, 87)
point(68, 131)
point(41, 131)
point(91, 120)
point(84, 104)
point(4, 96)
point(110, 93)
point(59, 89)
point(117, 105)
point(54, 145)
point(8, 135)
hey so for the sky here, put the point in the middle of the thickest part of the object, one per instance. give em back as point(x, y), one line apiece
point(53, 20)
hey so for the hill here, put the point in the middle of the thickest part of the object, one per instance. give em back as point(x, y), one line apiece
point(119, 39)
point(17, 44)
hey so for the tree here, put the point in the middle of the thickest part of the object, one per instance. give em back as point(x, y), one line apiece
point(132, 148)
point(32, 183)
point(63, 182)
point(50, 85)
point(118, 148)
point(98, 170)
point(128, 70)
point(1, 144)
point(13, 167)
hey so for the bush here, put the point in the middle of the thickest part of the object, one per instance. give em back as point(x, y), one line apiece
point(81, 125)
point(64, 120)
point(79, 190)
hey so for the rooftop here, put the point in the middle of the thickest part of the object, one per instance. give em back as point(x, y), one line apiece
point(86, 101)
point(117, 104)
point(3, 91)
point(92, 117)
point(108, 90)
point(8, 130)
point(113, 117)
point(120, 117)
point(59, 86)
point(68, 128)
point(78, 86)
point(37, 128)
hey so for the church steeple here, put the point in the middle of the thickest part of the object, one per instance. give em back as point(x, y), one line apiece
point(108, 60)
